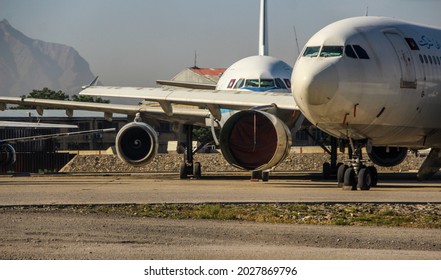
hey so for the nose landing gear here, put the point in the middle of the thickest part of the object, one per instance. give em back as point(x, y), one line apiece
point(356, 175)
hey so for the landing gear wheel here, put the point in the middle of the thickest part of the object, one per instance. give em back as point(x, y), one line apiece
point(197, 173)
point(183, 171)
point(374, 174)
point(341, 174)
point(326, 170)
point(364, 179)
point(256, 175)
point(265, 176)
point(349, 179)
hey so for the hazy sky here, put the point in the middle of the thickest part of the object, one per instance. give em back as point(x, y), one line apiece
point(135, 42)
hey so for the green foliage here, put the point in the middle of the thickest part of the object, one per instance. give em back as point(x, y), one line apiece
point(84, 98)
point(203, 134)
point(46, 93)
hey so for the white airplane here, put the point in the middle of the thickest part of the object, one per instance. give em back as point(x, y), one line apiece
point(375, 82)
point(252, 102)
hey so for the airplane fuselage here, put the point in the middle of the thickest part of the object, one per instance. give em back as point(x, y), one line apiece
point(373, 78)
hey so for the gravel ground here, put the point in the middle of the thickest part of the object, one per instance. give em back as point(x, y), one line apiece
point(36, 234)
point(211, 163)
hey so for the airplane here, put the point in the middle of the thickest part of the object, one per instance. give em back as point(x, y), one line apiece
point(252, 96)
point(374, 82)
point(7, 151)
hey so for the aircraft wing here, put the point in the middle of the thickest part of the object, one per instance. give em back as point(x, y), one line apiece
point(182, 115)
point(185, 84)
point(35, 125)
point(235, 100)
point(55, 135)
point(213, 100)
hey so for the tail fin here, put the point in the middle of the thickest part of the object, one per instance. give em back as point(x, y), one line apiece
point(263, 29)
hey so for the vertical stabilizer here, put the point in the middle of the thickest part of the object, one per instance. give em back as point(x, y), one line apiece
point(263, 29)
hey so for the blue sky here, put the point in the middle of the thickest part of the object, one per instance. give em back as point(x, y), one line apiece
point(135, 42)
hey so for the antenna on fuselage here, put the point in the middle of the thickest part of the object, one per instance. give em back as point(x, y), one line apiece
point(367, 10)
point(263, 29)
point(195, 59)
point(297, 41)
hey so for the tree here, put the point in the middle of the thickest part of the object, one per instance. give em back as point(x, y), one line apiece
point(85, 98)
point(203, 134)
point(46, 93)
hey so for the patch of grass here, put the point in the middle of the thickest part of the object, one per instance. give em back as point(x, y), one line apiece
point(364, 214)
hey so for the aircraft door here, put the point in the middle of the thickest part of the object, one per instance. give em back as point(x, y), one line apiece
point(408, 76)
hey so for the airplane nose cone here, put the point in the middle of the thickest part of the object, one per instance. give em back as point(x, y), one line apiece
point(320, 86)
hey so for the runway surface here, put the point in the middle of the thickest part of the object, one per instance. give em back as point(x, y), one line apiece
point(166, 188)
point(28, 232)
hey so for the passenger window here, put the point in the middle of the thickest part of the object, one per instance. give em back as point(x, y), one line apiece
point(230, 85)
point(430, 59)
point(328, 51)
point(280, 84)
point(312, 51)
point(437, 59)
point(421, 59)
point(362, 54)
point(425, 59)
point(349, 51)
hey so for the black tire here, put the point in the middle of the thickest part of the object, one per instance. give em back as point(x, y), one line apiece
point(183, 172)
point(256, 175)
point(364, 179)
point(349, 179)
point(265, 176)
point(197, 170)
point(341, 174)
point(374, 174)
point(326, 170)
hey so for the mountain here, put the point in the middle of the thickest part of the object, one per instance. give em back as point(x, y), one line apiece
point(27, 64)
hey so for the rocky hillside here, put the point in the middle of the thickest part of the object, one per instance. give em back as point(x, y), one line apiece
point(27, 64)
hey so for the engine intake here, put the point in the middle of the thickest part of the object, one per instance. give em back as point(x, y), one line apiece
point(7, 155)
point(387, 156)
point(254, 140)
point(136, 143)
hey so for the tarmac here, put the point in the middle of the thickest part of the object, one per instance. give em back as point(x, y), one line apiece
point(212, 188)
point(28, 231)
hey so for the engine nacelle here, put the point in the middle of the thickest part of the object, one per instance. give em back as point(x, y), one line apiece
point(387, 156)
point(7, 155)
point(255, 140)
point(136, 143)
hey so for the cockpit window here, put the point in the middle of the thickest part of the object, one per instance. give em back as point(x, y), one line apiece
point(349, 51)
point(239, 83)
point(312, 51)
point(263, 83)
point(328, 51)
point(362, 54)
point(280, 83)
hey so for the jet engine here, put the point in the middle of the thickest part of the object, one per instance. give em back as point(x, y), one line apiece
point(136, 143)
point(387, 156)
point(254, 140)
point(7, 155)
